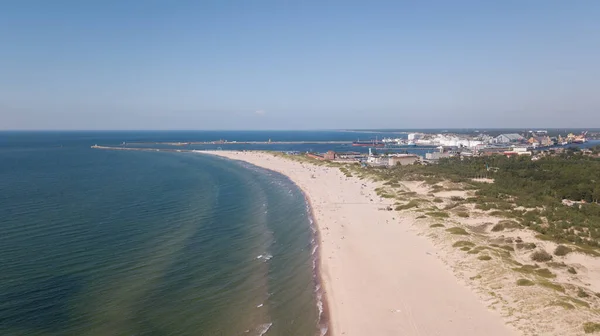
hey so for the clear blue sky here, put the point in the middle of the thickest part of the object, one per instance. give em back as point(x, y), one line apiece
point(298, 64)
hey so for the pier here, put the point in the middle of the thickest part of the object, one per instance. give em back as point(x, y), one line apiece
point(224, 142)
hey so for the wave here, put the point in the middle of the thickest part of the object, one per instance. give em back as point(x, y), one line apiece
point(263, 328)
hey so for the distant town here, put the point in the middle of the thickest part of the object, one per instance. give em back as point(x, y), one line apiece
point(534, 143)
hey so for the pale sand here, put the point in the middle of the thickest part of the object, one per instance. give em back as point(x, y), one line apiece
point(380, 277)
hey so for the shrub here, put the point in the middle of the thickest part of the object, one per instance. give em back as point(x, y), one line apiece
point(462, 214)
point(582, 294)
point(541, 256)
point(456, 198)
point(437, 200)
point(562, 250)
point(457, 231)
point(422, 216)
point(551, 285)
point(571, 270)
point(525, 246)
point(591, 327)
point(498, 227)
point(436, 225)
point(484, 257)
point(525, 282)
point(438, 214)
point(462, 243)
point(544, 272)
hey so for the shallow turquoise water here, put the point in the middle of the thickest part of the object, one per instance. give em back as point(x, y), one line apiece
point(147, 243)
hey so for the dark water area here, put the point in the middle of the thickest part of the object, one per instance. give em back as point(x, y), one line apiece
point(148, 243)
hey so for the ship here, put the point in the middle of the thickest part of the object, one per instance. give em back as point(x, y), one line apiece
point(370, 143)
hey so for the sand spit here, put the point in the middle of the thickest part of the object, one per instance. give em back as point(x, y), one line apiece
point(380, 275)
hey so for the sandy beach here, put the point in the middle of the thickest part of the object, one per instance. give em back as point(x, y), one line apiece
point(380, 276)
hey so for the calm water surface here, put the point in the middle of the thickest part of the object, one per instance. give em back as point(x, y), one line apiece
point(147, 243)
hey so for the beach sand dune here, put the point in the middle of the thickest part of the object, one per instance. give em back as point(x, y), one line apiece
point(380, 277)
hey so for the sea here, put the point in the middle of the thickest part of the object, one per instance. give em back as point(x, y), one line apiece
point(100, 242)
point(96, 242)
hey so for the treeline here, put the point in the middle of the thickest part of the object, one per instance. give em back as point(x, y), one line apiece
point(530, 191)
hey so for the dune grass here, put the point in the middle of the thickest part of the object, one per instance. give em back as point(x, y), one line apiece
point(457, 231)
point(525, 282)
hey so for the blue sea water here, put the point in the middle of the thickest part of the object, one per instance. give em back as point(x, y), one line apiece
point(149, 243)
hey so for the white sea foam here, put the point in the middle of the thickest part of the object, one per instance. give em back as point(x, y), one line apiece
point(260, 305)
point(263, 328)
point(265, 257)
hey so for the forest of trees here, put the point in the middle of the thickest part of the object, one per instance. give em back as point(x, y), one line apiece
point(530, 191)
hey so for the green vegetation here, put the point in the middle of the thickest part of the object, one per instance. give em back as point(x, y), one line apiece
point(436, 225)
point(571, 270)
point(530, 192)
point(465, 248)
point(551, 285)
point(591, 327)
point(462, 243)
point(421, 217)
point(484, 257)
point(462, 214)
point(541, 256)
point(525, 246)
point(411, 204)
point(563, 304)
point(438, 200)
point(438, 214)
point(457, 231)
point(505, 224)
point(562, 250)
point(582, 293)
point(544, 272)
point(478, 249)
point(525, 282)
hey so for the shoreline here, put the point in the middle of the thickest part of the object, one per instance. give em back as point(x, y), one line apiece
point(377, 274)
point(323, 323)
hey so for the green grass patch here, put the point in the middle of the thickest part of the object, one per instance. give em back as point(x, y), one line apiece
point(462, 243)
point(551, 285)
point(578, 302)
point(525, 246)
point(436, 225)
point(438, 214)
point(507, 248)
point(463, 214)
point(465, 248)
point(409, 205)
point(562, 304)
point(582, 293)
point(544, 272)
point(591, 327)
point(421, 217)
point(484, 257)
point(438, 200)
point(478, 249)
point(457, 231)
point(525, 282)
point(505, 224)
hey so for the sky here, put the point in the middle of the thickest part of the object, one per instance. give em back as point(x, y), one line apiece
point(276, 64)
